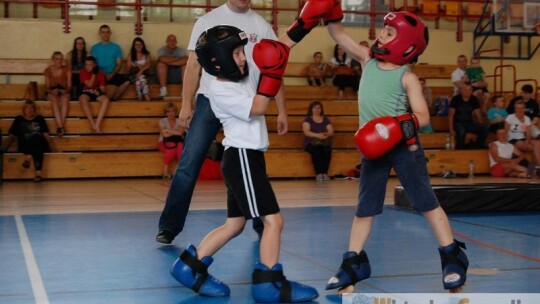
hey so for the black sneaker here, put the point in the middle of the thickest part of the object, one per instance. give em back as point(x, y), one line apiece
point(165, 237)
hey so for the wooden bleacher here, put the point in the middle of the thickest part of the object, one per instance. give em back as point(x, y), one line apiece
point(127, 147)
point(294, 69)
point(23, 66)
point(428, 71)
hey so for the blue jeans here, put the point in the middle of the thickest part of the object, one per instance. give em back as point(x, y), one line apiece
point(481, 131)
point(203, 129)
point(411, 170)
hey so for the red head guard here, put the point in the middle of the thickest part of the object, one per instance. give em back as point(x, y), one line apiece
point(410, 42)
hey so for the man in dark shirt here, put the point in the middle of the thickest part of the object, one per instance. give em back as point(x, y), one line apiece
point(465, 116)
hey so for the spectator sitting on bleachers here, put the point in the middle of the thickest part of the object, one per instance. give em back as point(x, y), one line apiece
point(428, 96)
point(357, 67)
point(465, 116)
point(458, 76)
point(58, 88)
point(75, 61)
point(497, 114)
point(109, 58)
point(171, 137)
point(32, 135)
point(531, 107)
point(475, 76)
point(93, 82)
point(518, 126)
point(138, 63)
point(318, 134)
point(502, 161)
point(341, 68)
point(170, 62)
point(317, 71)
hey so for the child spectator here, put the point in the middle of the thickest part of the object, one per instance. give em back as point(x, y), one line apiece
point(58, 84)
point(32, 135)
point(93, 82)
point(428, 96)
point(138, 63)
point(502, 161)
point(220, 50)
point(171, 137)
point(475, 76)
point(75, 61)
point(317, 71)
point(497, 114)
point(318, 134)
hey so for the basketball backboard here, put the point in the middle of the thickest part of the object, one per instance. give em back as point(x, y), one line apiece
point(516, 15)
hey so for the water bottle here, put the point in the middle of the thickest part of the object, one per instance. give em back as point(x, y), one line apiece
point(471, 168)
point(448, 146)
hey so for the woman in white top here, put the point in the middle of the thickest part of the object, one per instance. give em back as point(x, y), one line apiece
point(171, 137)
point(344, 75)
point(518, 126)
point(501, 159)
point(138, 62)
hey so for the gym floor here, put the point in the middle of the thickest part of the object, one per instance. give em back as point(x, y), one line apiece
point(92, 241)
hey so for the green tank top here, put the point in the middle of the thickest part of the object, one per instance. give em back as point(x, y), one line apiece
point(381, 92)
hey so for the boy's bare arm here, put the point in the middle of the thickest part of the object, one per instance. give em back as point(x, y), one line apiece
point(349, 45)
point(416, 98)
point(260, 105)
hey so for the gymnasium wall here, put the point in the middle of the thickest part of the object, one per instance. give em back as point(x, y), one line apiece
point(38, 39)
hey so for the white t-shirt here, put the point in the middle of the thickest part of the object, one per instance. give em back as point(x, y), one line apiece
point(335, 62)
point(164, 123)
point(253, 24)
point(518, 128)
point(231, 103)
point(504, 150)
point(456, 76)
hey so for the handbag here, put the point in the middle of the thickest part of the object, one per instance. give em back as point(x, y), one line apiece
point(215, 151)
point(171, 142)
point(321, 142)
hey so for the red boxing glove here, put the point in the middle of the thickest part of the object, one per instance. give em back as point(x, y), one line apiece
point(309, 18)
point(271, 58)
point(380, 135)
point(335, 14)
point(408, 124)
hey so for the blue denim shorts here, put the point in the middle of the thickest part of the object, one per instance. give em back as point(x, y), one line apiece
point(411, 169)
